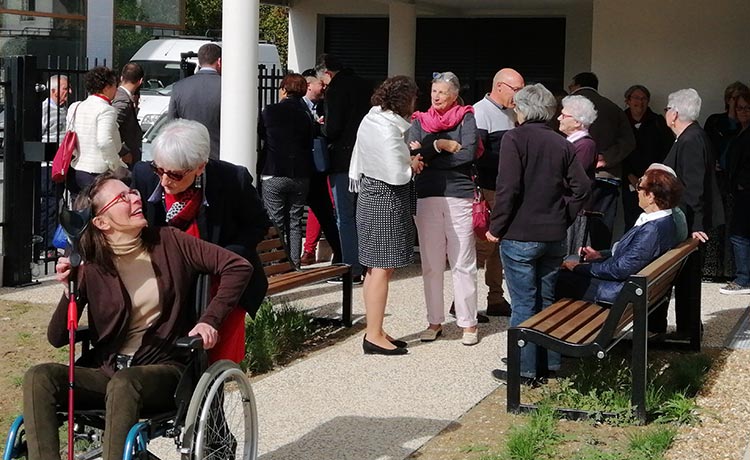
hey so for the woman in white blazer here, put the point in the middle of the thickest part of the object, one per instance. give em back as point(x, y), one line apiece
point(95, 122)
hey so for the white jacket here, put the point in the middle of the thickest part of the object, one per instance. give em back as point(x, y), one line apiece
point(99, 144)
point(380, 151)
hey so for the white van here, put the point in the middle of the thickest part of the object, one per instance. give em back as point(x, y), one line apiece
point(160, 59)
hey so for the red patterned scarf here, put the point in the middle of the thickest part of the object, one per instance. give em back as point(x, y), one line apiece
point(182, 209)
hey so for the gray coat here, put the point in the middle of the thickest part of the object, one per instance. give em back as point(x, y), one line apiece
point(198, 98)
point(127, 122)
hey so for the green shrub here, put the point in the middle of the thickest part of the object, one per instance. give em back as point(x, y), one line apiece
point(273, 335)
point(534, 440)
point(651, 445)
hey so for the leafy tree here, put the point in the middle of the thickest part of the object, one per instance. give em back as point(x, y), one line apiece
point(205, 15)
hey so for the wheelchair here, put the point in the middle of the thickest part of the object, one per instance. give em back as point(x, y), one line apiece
point(215, 416)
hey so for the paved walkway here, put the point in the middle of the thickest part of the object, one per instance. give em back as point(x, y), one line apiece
point(341, 404)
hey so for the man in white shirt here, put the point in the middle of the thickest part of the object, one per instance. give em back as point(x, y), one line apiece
point(54, 110)
point(495, 117)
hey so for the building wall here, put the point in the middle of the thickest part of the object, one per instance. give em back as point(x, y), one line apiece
point(671, 44)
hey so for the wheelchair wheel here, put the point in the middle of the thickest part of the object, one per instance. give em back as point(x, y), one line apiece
point(221, 421)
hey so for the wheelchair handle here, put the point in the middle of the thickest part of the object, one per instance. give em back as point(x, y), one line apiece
point(192, 343)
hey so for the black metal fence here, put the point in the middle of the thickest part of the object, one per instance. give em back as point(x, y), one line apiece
point(29, 139)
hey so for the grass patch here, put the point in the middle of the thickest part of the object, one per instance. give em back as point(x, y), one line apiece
point(604, 386)
point(534, 440)
point(275, 334)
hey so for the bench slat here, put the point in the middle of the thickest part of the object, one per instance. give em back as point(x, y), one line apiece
point(561, 315)
point(588, 332)
point(552, 310)
point(286, 281)
point(583, 317)
point(269, 245)
point(275, 269)
point(272, 256)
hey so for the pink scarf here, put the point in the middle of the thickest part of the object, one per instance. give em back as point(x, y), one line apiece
point(434, 122)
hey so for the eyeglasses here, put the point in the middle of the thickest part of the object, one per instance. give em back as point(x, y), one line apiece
point(667, 109)
point(513, 88)
point(743, 108)
point(565, 115)
point(638, 186)
point(123, 197)
point(176, 176)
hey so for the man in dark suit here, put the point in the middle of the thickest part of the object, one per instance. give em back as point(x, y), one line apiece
point(615, 141)
point(131, 79)
point(347, 101)
point(198, 97)
point(231, 215)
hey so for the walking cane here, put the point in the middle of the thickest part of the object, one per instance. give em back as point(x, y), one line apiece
point(73, 223)
point(586, 228)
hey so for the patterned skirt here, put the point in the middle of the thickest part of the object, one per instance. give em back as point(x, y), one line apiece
point(385, 224)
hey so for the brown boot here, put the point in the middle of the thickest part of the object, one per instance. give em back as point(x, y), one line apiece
point(308, 258)
point(498, 309)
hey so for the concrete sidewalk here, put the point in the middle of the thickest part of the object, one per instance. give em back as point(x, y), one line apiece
point(342, 404)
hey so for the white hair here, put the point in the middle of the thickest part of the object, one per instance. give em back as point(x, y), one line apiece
point(450, 78)
point(182, 145)
point(535, 103)
point(662, 167)
point(581, 109)
point(54, 81)
point(687, 104)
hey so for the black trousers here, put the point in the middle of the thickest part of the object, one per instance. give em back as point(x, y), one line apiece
point(319, 200)
point(603, 199)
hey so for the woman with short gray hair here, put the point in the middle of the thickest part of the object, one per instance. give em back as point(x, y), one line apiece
point(446, 137)
point(540, 189)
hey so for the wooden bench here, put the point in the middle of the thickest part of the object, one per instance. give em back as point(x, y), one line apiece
point(578, 328)
point(282, 276)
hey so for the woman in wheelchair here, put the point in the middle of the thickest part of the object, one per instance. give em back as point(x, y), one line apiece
point(602, 275)
point(136, 283)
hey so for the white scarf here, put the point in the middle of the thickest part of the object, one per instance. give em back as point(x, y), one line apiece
point(381, 151)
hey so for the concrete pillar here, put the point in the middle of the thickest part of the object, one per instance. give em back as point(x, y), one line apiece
point(303, 31)
point(402, 38)
point(239, 83)
point(100, 17)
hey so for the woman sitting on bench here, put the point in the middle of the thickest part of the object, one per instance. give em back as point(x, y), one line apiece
point(602, 274)
point(136, 286)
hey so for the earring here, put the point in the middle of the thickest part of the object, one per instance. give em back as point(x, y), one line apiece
point(198, 182)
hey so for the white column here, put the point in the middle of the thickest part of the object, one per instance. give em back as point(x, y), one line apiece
point(239, 83)
point(100, 17)
point(303, 31)
point(402, 37)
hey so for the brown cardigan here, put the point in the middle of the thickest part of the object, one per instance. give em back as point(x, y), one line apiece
point(177, 258)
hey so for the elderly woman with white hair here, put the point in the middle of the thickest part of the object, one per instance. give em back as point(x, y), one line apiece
point(540, 189)
point(447, 135)
point(212, 200)
point(577, 114)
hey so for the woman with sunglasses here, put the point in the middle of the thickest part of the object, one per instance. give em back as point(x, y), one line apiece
point(209, 199)
point(136, 287)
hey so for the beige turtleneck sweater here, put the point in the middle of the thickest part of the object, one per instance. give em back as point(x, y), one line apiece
point(134, 266)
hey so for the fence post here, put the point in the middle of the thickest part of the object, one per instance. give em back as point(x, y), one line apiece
point(19, 175)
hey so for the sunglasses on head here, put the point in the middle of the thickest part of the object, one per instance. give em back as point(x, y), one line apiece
point(174, 175)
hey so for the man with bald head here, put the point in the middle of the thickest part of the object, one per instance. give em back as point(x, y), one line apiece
point(495, 117)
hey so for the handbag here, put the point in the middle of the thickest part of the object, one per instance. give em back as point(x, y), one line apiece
point(321, 159)
point(65, 152)
point(480, 215)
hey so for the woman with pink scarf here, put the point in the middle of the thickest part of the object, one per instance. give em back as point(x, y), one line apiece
point(446, 136)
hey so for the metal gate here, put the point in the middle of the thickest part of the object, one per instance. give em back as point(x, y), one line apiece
point(29, 199)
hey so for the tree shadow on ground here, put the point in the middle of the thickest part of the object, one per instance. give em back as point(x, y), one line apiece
point(361, 438)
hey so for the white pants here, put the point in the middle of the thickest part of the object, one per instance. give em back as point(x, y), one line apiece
point(444, 226)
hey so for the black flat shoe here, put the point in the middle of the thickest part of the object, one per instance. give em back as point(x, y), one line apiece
point(502, 376)
point(371, 349)
point(399, 343)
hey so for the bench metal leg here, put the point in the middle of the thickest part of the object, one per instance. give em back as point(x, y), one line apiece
point(639, 361)
point(346, 313)
point(514, 372)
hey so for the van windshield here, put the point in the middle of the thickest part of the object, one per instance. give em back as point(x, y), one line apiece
point(160, 74)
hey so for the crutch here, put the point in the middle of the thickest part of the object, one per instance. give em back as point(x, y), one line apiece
point(73, 223)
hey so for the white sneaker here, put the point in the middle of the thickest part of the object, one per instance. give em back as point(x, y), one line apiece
point(733, 288)
point(470, 338)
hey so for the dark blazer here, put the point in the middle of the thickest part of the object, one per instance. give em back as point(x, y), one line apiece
point(233, 219)
point(198, 98)
point(739, 162)
point(692, 157)
point(540, 187)
point(611, 131)
point(636, 249)
point(177, 259)
point(127, 121)
point(286, 129)
point(653, 139)
point(347, 103)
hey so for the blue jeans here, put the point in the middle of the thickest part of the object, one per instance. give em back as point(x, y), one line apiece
point(741, 249)
point(531, 273)
point(346, 203)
